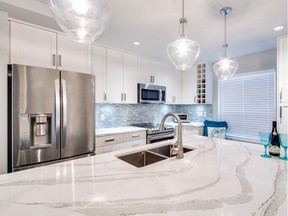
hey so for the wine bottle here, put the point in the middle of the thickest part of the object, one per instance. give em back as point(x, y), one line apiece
point(274, 147)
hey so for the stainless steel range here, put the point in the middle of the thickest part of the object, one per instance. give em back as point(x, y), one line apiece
point(153, 134)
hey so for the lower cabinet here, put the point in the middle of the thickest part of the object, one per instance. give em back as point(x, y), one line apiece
point(116, 142)
point(192, 130)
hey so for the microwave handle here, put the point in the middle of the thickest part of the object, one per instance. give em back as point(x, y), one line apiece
point(160, 95)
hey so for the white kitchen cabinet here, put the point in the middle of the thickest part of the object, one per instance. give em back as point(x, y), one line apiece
point(144, 71)
point(282, 68)
point(114, 76)
point(150, 72)
point(32, 46)
point(129, 89)
point(157, 73)
point(192, 130)
point(189, 82)
point(120, 141)
point(173, 85)
point(99, 70)
point(121, 85)
point(73, 56)
point(43, 48)
point(282, 84)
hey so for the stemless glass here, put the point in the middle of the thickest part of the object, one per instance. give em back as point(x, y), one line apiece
point(265, 140)
point(284, 144)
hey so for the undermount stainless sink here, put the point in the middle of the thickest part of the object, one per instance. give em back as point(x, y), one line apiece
point(141, 159)
point(166, 150)
point(150, 156)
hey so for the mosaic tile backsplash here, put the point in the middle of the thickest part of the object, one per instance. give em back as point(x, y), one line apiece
point(119, 115)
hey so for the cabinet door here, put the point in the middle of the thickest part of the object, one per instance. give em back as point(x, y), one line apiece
point(73, 56)
point(144, 71)
point(282, 65)
point(130, 78)
point(173, 85)
point(114, 76)
point(158, 73)
point(189, 80)
point(283, 118)
point(32, 46)
point(99, 70)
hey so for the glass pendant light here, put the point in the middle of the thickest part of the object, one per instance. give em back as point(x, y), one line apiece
point(183, 52)
point(82, 20)
point(226, 67)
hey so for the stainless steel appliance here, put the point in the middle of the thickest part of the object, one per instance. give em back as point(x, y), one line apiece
point(51, 115)
point(153, 134)
point(151, 93)
point(185, 118)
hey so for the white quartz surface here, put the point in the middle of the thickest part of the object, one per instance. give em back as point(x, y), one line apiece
point(220, 177)
point(192, 124)
point(117, 130)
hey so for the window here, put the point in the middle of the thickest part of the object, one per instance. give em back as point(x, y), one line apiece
point(248, 103)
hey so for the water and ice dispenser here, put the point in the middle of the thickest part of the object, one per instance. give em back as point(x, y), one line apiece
point(35, 131)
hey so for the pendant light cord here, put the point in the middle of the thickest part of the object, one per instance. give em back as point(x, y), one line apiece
point(225, 37)
point(183, 20)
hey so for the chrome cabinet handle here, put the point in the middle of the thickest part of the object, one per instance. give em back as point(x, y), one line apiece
point(153, 78)
point(60, 61)
point(105, 96)
point(64, 111)
point(54, 59)
point(135, 136)
point(121, 96)
point(281, 95)
point(124, 96)
point(109, 140)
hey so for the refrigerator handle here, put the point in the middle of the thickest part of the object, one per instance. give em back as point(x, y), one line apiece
point(64, 113)
point(57, 113)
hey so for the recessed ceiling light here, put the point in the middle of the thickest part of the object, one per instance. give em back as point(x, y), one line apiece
point(278, 28)
point(136, 43)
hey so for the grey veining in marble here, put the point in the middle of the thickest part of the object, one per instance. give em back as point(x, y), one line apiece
point(218, 178)
point(118, 115)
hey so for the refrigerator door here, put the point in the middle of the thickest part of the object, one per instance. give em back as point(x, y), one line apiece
point(33, 96)
point(78, 114)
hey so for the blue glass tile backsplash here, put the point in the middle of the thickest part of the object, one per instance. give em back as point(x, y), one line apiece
point(118, 115)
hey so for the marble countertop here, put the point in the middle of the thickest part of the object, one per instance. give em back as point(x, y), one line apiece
point(192, 124)
point(117, 130)
point(219, 177)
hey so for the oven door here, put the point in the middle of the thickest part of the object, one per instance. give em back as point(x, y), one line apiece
point(153, 138)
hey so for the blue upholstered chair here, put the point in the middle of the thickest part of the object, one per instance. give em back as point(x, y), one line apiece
point(215, 128)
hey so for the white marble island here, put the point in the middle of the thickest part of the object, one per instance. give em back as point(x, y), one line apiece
point(224, 178)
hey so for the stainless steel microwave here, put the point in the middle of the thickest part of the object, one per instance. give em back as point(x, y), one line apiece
point(151, 93)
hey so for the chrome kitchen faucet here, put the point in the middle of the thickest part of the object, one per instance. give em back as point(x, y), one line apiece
point(177, 148)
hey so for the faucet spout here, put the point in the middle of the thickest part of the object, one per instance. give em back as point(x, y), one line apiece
point(179, 150)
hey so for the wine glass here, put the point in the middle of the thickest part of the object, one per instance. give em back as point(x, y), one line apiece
point(284, 144)
point(265, 140)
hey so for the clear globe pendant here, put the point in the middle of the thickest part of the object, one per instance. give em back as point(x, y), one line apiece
point(225, 68)
point(82, 20)
point(183, 53)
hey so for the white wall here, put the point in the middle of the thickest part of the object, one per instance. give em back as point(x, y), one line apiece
point(248, 63)
point(4, 48)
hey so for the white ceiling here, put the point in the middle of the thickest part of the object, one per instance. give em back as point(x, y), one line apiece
point(155, 23)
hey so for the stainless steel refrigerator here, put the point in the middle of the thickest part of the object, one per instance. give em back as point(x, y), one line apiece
point(51, 115)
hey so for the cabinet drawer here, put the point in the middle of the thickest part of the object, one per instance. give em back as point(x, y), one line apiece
point(128, 137)
point(109, 140)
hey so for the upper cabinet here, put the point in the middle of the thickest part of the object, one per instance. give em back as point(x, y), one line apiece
point(43, 48)
point(129, 78)
point(282, 68)
point(173, 85)
point(189, 78)
point(282, 84)
point(73, 56)
point(32, 46)
point(99, 70)
point(150, 72)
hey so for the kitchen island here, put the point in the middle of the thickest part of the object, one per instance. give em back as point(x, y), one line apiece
point(219, 177)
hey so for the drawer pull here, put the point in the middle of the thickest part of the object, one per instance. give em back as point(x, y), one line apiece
point(135, 136)
point(110, 140)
